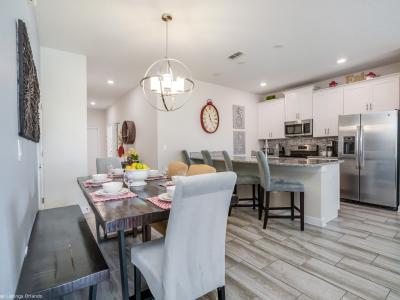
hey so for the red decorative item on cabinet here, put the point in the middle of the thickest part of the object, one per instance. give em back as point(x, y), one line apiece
point(370, 75)
point(333, 83)
point(121, 150)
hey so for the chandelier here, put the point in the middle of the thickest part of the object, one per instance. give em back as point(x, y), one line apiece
point(167, 84)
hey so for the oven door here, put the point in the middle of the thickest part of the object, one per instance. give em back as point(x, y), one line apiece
point(293, 129)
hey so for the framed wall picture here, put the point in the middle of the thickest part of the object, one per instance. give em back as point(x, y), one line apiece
point(238, 115)
point(239, 143)
point(28, 87)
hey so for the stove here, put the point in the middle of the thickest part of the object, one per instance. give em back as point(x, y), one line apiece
point(302, 151)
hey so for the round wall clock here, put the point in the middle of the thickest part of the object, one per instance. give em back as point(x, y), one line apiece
point(209, 117)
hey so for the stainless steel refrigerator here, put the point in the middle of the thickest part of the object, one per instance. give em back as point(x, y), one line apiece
point(368, 145)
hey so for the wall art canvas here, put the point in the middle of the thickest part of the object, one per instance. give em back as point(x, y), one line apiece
point(238, 113)
point(28, 87)
point(239, 143)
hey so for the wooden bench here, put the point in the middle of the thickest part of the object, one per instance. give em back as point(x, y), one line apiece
point(62, 257)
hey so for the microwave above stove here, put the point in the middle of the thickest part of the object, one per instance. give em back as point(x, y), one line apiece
point(299, 128)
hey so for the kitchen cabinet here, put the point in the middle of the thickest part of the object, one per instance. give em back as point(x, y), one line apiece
point(374, 95)
point(271, 118)
point(327, 106)
point(298, 104)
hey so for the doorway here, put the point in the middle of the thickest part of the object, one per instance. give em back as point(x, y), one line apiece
point(93, 148)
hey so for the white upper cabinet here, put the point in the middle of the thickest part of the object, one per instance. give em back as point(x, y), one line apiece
point(298, 104)
point(327, 106)
point(378, 94)
point(271, 118)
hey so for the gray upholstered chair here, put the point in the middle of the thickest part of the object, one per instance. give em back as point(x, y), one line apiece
point(190, 261)
point(243, 179)
point(207, 158)
point(102, 164)
point(269, 184)
point(186, 158)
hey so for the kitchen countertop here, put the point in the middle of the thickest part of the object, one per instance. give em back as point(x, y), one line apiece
point(278, 161)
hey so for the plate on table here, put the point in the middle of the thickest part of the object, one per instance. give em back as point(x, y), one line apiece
point(169, 183)
point(101, 192)
point(165, 197)
point(100, 182)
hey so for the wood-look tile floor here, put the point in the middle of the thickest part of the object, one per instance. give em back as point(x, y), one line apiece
point(356, 256)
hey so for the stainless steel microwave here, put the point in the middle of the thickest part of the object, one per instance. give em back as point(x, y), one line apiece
point(299, 128)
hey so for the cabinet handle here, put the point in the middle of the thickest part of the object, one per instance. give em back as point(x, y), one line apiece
point(325, 130)
point(328, 131)
point(366, 106)
point(370, 106)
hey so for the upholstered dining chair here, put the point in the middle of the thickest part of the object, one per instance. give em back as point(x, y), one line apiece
point(177, 168)
point(244, 179)
point(200, 169)
point(207, 159)
point(269, 184)
point(186, 157)
point(190, 261)
point(102, 164)
point(161, 227)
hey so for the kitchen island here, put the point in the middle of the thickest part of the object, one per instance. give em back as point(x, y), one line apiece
point(321, 179)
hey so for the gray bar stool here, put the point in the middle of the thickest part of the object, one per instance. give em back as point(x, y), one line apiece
point(207, 158)
point(243, 179)
point(186, 157)
point(269, 184)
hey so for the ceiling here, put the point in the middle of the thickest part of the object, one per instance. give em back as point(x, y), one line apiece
point(121, 38)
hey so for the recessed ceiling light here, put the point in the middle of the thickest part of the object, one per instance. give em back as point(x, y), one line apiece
point(263, 84)
point(92, 103)
point(110, 81)
point(341, 60)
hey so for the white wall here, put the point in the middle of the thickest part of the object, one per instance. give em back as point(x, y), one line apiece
point(181, 129)
point(18, 179)
point(64, 98)
point(133, 107)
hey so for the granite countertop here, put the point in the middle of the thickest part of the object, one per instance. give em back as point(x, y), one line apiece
point(278, 161)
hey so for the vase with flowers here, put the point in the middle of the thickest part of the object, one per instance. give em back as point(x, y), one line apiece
point(132, 156)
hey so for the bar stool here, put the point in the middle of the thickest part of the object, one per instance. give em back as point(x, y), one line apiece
point(243, 179)
point(186, 158)
point(269, 184)
point(207, 158)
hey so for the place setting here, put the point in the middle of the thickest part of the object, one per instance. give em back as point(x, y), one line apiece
point(164, 200)
point(112, 191)
point(97, 180)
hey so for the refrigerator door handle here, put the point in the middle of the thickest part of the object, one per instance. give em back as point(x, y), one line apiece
point(357, 150)
point(361, 163)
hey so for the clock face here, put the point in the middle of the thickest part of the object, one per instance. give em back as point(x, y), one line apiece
point(209, 118)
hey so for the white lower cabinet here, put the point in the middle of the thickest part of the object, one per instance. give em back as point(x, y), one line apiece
point(271, 119)
point(327, 106)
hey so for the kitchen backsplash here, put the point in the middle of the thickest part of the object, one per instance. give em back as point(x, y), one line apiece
point(290, 142)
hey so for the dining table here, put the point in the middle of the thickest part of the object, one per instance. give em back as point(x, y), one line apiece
point(120, 216)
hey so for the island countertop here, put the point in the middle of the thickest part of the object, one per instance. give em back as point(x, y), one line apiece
point(275, 161)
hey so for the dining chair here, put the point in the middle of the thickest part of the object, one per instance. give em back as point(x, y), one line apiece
point(103, 164)
point(270, 184)
point(190, 261)
point(186, 157)
point(177, 168)
point(207, 159)
point(200, 169)
point(243, 179)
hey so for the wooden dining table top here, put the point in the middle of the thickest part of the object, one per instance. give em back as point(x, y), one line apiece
point(127, 213)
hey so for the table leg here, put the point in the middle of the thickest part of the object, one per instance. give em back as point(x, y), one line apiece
point(146, 233)
point(98, 231)
point(122, 264)
point(92, 292)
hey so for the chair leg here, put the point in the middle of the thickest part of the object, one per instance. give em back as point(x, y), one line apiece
point(266, 209)
point(138, 284)
point(221, 293)
point(235, 189)
point(302, 211)
point(292, 205)
point(261, 194)
point(92, 292)
point(254, 196)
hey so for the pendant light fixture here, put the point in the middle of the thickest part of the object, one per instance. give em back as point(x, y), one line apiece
point(167, 84)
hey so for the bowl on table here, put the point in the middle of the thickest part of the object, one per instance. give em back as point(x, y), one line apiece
point(171, 191)
point(154, 173)
point(137, 177)
point(112, 187)
point(99, 177)
point(117, 171)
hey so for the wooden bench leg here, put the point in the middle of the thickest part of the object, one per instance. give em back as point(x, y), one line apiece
point(221, 293)
point(92, 292)
point(292, 205)
point(302, 211)
point(266, 209)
